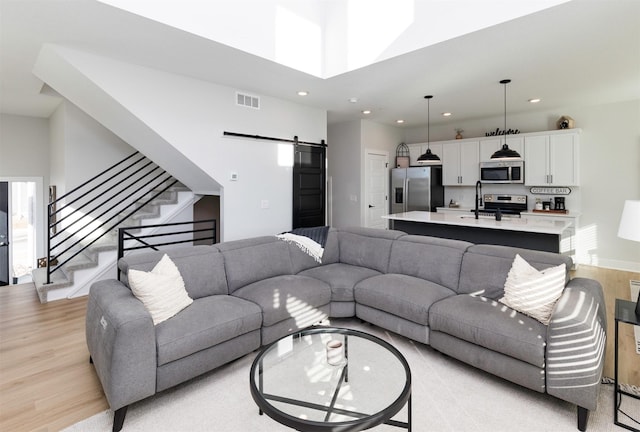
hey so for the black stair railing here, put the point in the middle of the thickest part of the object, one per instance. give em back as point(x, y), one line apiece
point(84, 215)
point(145, 236)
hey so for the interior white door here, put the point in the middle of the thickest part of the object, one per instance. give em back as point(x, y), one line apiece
point(377, 189)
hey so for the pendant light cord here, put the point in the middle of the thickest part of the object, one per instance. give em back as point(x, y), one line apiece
point(505, 82)
point(428, 123)
point(428, 98)
point(505, 113)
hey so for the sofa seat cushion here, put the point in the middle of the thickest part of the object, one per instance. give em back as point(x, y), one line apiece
point(401, 295)
point(492, 325)
point(287, 296)
point(341, 278)
point(207, 322)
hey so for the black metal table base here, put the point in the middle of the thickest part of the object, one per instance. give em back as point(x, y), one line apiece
point(330, 409)
point(625, 313)
point(334, 410)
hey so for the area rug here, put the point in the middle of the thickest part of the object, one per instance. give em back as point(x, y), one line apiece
point(448, 396)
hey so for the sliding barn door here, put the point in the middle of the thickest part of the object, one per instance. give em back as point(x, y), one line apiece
point(309, 186)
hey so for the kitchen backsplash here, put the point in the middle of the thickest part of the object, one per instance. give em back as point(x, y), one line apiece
point(465, 195)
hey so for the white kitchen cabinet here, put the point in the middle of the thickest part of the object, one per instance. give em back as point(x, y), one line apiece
point(489, 146)
point(552, 160)
point(418, 149)
point(460, 163)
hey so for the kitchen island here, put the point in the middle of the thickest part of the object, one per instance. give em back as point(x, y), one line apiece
point(544, 235)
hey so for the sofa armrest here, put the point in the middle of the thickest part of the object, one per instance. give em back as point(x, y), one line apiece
point(122, 343)
point(576, 339)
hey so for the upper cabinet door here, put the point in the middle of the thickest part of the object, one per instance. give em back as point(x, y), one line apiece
point(418, 149)
point(450, 164)
point(489, 146)
point(563, 160)
point(460, 163)
point(536, 170)
point(469, 163)
point(552, 160)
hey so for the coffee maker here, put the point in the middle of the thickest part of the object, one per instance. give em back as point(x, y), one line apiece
point(558, 203)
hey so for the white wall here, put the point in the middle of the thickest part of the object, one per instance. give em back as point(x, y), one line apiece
point(376, 136)
point(179, 123)
point(24, 156)
point(347, 146)
point(89, 147)
point(24, 146)
point(609, 165)
point(344, 156)
point(57, 161)
point(80, 147)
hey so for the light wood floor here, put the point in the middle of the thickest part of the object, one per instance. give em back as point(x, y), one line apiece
point(47, 382)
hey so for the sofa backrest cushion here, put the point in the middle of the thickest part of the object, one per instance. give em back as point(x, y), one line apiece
point(434, 259)
point(253, 262)
point(367, 247)
point(302, 261)
point(201, 268)
point(485, 267)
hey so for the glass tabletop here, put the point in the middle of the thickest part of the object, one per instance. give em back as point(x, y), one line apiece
point(323, 377)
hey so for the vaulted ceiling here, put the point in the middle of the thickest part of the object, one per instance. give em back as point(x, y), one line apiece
point(583, 52)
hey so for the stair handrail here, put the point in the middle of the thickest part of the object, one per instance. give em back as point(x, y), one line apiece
point(124, 234)
point(145, 181)
point(107, 230)
point(122, 200)
point(58, 221)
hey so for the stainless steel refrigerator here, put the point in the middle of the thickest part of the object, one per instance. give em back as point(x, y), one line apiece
point(416, 188)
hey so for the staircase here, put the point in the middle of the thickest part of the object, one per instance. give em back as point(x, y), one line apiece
point(83, 223)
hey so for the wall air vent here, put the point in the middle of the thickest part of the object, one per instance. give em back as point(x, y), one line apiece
point(246, 100)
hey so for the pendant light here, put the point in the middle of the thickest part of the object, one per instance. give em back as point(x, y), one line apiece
point(505, 151)
point(428, 158)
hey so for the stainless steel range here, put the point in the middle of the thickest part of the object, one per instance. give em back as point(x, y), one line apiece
point(511, 205)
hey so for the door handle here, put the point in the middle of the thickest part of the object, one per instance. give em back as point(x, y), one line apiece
point(371, 206)
point(4, 244)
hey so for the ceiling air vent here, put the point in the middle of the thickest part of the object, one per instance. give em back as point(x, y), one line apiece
point(247, 100)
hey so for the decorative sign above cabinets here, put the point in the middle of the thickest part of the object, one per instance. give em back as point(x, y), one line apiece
point(499, 132)
point(550, 190)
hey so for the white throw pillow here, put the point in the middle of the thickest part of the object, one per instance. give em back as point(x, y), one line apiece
point(533, 292)
point(161, 290)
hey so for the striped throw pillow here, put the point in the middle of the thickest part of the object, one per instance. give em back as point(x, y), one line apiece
point(533, 292)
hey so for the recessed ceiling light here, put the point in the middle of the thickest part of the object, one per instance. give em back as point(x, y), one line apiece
point(366, 112)
point(535, 100)
point(446, 114)
point(399, 121)
point(353, 100)
point(303, 93)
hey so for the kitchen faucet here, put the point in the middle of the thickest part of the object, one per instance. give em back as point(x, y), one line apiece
point(478, 197)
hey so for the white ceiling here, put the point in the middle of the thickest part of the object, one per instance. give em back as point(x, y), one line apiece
point(584, 52)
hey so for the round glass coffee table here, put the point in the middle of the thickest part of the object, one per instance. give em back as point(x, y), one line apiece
point(331, 379)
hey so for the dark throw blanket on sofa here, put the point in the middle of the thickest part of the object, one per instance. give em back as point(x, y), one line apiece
point(311, 240)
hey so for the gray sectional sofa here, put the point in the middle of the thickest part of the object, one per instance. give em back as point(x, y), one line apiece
point(444, 293)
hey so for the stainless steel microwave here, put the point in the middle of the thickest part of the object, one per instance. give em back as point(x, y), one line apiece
point(502, 171)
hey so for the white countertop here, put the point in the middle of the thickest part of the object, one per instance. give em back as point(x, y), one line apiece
point(570, 214)
point(468, 220)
